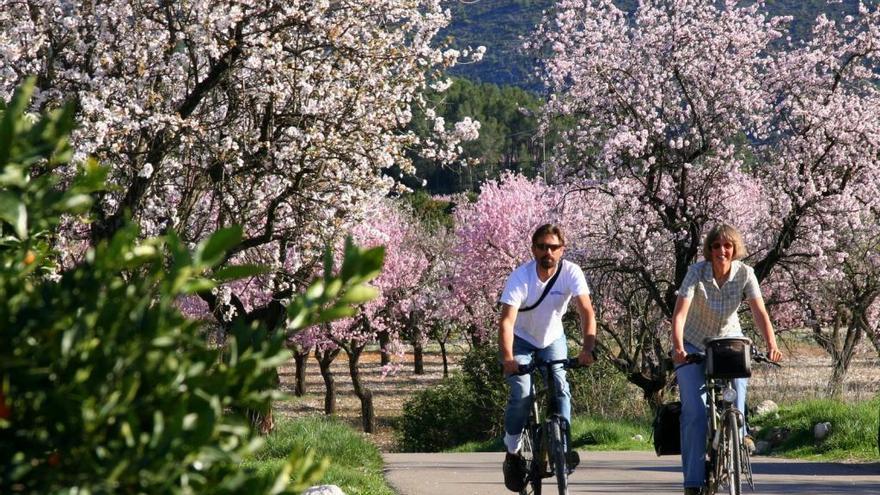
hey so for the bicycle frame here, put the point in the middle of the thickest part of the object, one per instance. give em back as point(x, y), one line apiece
point(728, 458)
point(545, 440)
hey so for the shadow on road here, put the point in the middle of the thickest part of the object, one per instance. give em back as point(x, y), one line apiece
point(817, 469)
point(607, 473)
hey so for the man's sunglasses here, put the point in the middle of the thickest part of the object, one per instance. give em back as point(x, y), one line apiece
point(547, 247)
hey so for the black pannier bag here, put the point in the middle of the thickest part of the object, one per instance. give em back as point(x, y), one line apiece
point(729, 357)
point(667, 429)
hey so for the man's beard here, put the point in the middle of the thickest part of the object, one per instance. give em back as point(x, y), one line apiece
point(547, 262)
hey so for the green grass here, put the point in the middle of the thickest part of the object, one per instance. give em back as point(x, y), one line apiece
point(586, 433)
point(606, 434)
point(355, 463)
point(853, 430)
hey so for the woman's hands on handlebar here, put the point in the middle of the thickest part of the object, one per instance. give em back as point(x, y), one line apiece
point(774, 355)
point(760, 357)
point(679, 356)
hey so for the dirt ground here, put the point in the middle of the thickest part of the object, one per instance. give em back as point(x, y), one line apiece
point(805, 375)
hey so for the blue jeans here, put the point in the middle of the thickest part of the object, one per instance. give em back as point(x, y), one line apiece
point(519, 401)
point(694, 424)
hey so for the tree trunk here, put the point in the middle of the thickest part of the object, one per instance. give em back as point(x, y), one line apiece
point(384, 341)
point(445, 359)
point(873, 333)
point(875, 339)
point(325, 359)
point(843, 358)
point(418, 358)
point(300, 359)
point(840, 347)
point(416, 332)
point(365, 395)
point(651, 379)
point(263, 422)
point(477, 338)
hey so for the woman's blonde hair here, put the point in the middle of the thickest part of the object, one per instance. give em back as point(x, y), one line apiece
point(725, 232)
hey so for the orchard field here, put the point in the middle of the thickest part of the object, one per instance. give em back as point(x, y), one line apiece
point(806, 378)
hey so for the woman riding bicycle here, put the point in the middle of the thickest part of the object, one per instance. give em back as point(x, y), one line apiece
point(707, 305)
point(527, 329)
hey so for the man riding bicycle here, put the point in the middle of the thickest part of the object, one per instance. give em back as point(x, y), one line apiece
point(531, 326)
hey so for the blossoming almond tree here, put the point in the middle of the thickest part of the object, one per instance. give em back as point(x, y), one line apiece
point(689, 113)
point(840, 307)
point(493, 236)
point(399, 284)
point(278, 116)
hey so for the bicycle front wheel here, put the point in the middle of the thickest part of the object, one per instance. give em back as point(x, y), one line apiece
point(733, 457)
point(557, 453)
point(531, 453)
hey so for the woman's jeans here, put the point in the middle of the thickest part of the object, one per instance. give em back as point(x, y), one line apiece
point(519, 401)
point(694, 424)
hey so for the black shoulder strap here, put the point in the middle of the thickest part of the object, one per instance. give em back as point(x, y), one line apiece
point(546, 289)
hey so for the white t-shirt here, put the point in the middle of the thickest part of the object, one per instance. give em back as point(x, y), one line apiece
point(542, 325)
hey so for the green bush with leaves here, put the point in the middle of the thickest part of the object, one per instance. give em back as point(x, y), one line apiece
point(469, 405)
point(104, 386)
point(438, 418)
point(601, 391)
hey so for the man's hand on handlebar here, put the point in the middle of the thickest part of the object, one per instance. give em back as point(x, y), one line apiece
point(510, 366)
point(586, 358)
point(774, 354)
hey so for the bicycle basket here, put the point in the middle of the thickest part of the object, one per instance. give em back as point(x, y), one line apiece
point(667, 429)
point(729, 357)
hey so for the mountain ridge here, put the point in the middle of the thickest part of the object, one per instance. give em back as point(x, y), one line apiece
point(500, 25)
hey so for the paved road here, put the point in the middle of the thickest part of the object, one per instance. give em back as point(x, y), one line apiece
point(621, 473)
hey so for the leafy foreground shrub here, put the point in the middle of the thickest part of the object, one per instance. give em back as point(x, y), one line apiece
point(104, 386)
point(852, 436)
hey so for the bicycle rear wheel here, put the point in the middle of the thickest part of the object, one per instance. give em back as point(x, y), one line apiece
point(557, 453)
point(733, 456)
point(531, 453)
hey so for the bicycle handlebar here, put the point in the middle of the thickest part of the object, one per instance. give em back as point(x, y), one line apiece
point(757, 356)
point(761, 357)
point(568, 363)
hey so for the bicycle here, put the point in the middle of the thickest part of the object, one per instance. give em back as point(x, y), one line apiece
point(545, 444)
point(726, 358)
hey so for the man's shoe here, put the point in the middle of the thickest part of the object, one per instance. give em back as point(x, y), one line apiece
point(693, 491)
point(572, 459)
point(514, 469)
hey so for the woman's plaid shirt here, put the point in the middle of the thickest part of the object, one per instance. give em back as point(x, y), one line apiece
point(713, 309)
